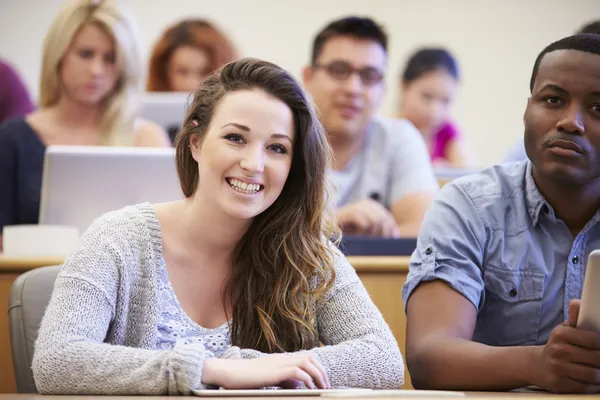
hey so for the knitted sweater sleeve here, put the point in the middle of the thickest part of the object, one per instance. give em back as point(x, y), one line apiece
point(71, 356)
point(359, 349)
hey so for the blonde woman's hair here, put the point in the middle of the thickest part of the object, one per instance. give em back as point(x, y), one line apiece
point(122, 105)
point(284, 263)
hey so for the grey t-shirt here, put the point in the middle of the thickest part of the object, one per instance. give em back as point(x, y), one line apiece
point(393, 164)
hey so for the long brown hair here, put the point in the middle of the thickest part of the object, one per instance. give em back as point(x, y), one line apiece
point(284, 263)
point(197, 33)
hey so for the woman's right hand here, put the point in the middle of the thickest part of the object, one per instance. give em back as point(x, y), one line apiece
point(285, 370)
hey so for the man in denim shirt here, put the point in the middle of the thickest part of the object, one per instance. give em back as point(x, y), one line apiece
point(502, 254)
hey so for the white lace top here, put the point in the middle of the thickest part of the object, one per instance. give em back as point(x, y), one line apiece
point(175, 327)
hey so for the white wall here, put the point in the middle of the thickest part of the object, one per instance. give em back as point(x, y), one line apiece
point(495, 42)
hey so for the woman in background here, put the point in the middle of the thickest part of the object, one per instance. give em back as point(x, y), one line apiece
point(429, 84)
point(90, 92)
point(185, 54)
point(236, 285)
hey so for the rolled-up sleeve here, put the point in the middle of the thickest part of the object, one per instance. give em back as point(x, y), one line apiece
point(450, 247)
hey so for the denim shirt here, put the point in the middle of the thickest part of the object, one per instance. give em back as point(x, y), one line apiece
point(494, 239)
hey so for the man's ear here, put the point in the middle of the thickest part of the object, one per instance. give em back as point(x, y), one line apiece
point(403, 86)
point(307, 74)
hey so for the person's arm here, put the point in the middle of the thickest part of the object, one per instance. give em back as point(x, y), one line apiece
point(359, 349)
point(409, 212)
point(70, 354)
point(150, 134)
point(443, 293)
point(441, 355)
point(458, 153)
point(368, 218)
point(8, 181)
point(412, 181)
point(14, 97)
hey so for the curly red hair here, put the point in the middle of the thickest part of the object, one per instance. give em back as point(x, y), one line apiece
point(197, 33)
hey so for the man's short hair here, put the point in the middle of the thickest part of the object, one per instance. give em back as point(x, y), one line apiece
point(588, 43)
point(355, 27)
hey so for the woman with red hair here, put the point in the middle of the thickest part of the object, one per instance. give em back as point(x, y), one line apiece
point(186, 53)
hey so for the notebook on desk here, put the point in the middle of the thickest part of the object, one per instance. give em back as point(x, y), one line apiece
point(273, 392)
point(348, 393)
point(80, 183)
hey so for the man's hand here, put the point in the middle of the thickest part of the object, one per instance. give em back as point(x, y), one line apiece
point(570, 361)
point(369, 218)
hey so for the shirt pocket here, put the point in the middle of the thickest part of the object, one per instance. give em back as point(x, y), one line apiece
point(512, 310)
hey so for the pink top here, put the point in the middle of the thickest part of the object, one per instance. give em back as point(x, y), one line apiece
point(447, 132)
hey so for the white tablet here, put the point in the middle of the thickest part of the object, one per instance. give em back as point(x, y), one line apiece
point(275, 392)
point(589, 312)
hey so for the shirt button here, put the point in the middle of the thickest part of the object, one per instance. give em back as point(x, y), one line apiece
point(428, 251)
point(575, 260)
point(512, 293)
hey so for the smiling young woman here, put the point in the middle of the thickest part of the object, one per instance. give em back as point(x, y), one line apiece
point(167, 298)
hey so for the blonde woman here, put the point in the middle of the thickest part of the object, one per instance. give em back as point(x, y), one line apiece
point(172, 297)
point(89, 95)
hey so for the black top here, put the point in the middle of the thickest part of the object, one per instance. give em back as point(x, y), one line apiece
point(21, 167)
point(377, 246)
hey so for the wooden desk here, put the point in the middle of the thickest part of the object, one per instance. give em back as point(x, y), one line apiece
point(22, 264)
point(422, 396)
point(382, 276)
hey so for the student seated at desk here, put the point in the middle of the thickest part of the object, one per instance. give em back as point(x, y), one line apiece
point(185, 54)
point(501, 258)
point(382, 174)
point(89, 95)
point(171, 297)
point(429, 84)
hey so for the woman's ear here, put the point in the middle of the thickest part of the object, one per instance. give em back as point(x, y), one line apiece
point(195, 142)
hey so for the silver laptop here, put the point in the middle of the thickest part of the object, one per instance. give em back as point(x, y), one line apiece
point(166, 109)
point(80, 183)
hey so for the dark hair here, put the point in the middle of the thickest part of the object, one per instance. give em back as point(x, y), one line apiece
point(282, 264)
point(592, 27)
point(427, 60)
point(356, 27)
point(588, 43)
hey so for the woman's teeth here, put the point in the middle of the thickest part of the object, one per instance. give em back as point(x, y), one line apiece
point(243, 187)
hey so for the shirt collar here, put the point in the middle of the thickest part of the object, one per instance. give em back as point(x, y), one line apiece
point(536, 204)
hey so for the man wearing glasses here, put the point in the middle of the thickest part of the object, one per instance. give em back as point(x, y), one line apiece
point(382, 174)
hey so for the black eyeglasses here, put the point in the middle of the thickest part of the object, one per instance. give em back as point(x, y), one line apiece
point(341, 70)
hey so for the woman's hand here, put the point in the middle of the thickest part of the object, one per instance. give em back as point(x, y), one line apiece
point(285, 370)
